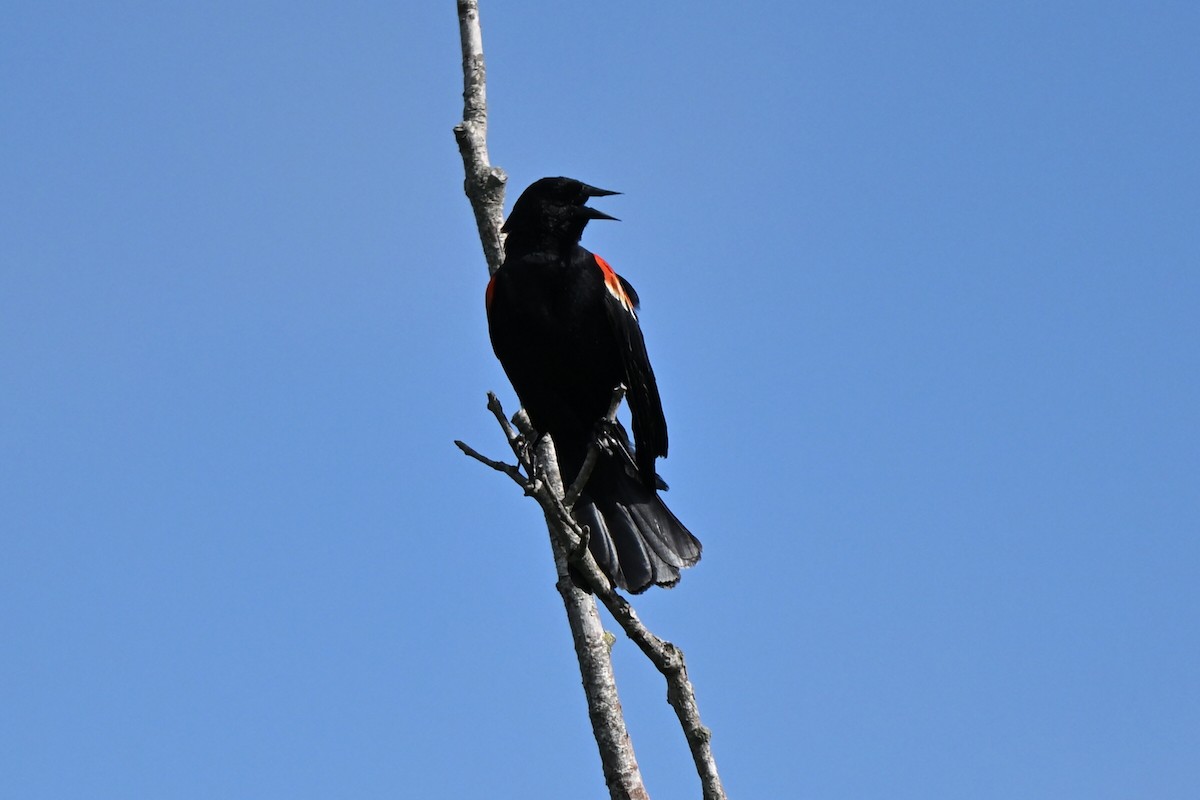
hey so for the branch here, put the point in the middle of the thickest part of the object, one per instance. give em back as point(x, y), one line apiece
point(484, 186)
point(569, 540)
point(669, 661)
point(621, 771)
point(484, 183)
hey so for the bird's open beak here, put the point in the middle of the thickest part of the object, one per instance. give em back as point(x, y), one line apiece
point(592, 191)
point(592, 213)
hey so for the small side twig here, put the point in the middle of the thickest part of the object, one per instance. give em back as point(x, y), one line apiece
point(498, 412)
point(508, 469)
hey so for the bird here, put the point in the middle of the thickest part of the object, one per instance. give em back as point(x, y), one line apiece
point(564, 327)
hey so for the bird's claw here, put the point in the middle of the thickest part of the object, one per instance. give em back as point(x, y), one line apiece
point(607, 433)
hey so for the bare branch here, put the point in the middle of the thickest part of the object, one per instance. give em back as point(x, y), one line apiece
point(669, 661)
point(666, 657)
point(484, 183)
point(569, 539)
point(499, 466)
point(621, 771)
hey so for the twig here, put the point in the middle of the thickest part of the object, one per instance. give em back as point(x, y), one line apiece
point(498, 412)
point(499, 466)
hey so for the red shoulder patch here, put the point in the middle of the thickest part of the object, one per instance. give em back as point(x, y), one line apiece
point(613, 284)
point(487, 295)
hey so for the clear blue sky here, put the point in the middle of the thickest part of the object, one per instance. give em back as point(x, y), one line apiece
point(921, 283)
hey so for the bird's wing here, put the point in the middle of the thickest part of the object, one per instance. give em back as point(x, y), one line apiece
point(649, 425)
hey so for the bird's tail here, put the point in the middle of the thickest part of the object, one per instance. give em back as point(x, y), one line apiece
point(634, 537)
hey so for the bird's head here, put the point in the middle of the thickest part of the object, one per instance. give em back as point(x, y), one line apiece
point(553, 212)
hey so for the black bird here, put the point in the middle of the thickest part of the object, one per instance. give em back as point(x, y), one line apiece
point(564, 326)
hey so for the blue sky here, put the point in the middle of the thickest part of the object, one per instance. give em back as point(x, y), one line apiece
point(920, 283)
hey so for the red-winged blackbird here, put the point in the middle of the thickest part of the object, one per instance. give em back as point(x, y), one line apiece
point(564, 326)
